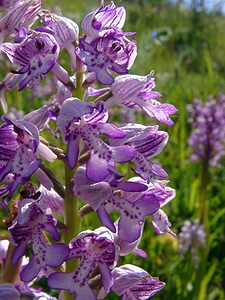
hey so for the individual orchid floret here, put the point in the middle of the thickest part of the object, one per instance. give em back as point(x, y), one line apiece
point(95, 249)
point(36, 55)
point(28, 228)
point(20, 145)
point(137, 91)
point(148, 141)
point(96, 193)
point(132, 205)
point(110, 53)
point(79, 120)
point(207, 138)
point(132, 282)
point(104, 18)
point(19, 142)
point(22, 14)
point(65, 31)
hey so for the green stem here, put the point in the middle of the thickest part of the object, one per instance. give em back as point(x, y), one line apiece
point(71, 203)
point(79, 90)
point(72, 220)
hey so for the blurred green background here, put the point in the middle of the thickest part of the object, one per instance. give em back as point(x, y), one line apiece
point(186, 49)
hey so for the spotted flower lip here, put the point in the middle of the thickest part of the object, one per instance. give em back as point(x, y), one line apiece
point(112, 52)
point(31, 221)
point(132, 282)
point(22, 14)
point(36, 55)
point(78, 120)
point(102, 19)
point(94, 248)
point(65, 31)
point(96, 193)
point(133, 203)
point(135, 90)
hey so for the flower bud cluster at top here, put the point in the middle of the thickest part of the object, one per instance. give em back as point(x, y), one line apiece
point(80, 106)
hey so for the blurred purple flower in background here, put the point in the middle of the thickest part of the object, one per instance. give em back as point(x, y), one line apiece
point(191, 239)
point(208, 136)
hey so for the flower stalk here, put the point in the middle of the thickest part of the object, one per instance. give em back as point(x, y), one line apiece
point(72, 220)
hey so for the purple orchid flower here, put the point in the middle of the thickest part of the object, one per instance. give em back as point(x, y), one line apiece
point(98, 192)
point(19, 146)
point(148, 141)
point(19, 142)
point(104, 18)
point(78, 120)
point(22, 14)
point(65, 31)
point(132, 202)
point(131, 282)
point(112, 52)
point(94, 248)
point(36, 55)
point(134, 90)
point(30, 223)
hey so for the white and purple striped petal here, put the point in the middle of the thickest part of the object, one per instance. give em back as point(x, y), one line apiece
point(104, 18)
point(132, 282)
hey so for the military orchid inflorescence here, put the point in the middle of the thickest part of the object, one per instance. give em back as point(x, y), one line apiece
point(92, 147)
